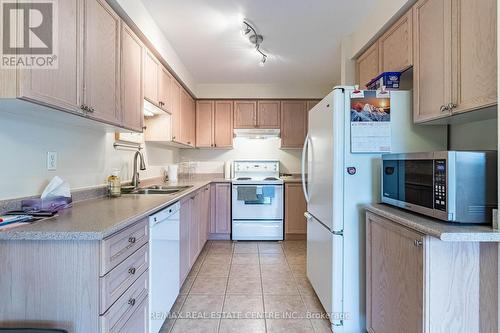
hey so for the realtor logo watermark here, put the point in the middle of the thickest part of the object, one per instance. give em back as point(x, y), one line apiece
point(29, 34)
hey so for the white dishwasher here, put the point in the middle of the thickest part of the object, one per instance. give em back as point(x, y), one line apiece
point(163, 264)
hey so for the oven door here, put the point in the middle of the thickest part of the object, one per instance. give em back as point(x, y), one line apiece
point(268, 204)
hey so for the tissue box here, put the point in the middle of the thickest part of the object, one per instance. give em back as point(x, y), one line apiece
point(388, 79)
point(52, 204)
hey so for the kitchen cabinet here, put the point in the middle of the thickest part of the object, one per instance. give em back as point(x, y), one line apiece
point(204, 124)
point(185, 221)
point(268, 114)
point(187, 119)
point(294, 115)
point(132, 79)
point(295, 207)
point(62, 87)
point(214, 124)
point(367, 66)
point(396, 45)
point(419, 283)
point(175, 110)
point(455, 57)
point(194, 225)
point(204, 217)
point(220, 211)
point(245, 114)
point(157, 82)
point(102, 62)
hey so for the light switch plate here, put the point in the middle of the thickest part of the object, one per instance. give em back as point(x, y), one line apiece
point(51, 160)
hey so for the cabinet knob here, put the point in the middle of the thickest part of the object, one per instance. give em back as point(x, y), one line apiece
point(173, 138)
point(417, 243)
point(443, 108)
point(90, 109)
point(131, 270)
point(132, 240)
point(131, 301)
point(451, 106)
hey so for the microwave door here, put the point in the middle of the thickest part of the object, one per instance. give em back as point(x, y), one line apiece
point(390, 178)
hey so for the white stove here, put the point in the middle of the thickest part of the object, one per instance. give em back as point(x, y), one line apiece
point(257, 201)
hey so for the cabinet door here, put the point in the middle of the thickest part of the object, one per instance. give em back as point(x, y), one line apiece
point(102, 61)
point(61, 87)
point(221, 207)
point(204, 124)
point(185, 221)
point(396, 46)
point(394, 278)
point(164, 88)
point(193, 229)
point(132, 80)
point(192, 121)
point(204, 216)
point(187, 119)
point(293, 124)
point(151, 79)
point(175, 109)
point(432, 63)
point(268, 115)
point(223, 124)
point(474, 55)
point(295, 207)
point(245, 114)
point(367, 66)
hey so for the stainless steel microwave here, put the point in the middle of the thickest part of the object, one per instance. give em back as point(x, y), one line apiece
point(455, 186)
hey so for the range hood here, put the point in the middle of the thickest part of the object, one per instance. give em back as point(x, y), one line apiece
point(257, 133)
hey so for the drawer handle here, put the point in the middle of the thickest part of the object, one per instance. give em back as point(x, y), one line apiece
point(131, 270)
point(417, 243)
point(131, 240)
point(131, 301)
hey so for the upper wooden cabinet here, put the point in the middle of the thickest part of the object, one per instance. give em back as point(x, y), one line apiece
point(396, 46)
point(102, 62)
point(175, 110)
point(367, 66)
point(245, 114)
point(455, 57)
point(294, 117)
point(187, 119)
point(432, 65)
point(268, 114)
point(157, 81)
point(131, 82)
point(214, 124)
point(61, 87)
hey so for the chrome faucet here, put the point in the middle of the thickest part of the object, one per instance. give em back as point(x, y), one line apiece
point(135, 177)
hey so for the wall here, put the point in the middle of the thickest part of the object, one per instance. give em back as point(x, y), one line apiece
point(85, 154)
point(212, 160)
point(479, 135)
point(231, 91)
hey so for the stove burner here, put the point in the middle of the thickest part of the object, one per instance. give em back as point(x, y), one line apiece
point(270, 178)
point(243, 178)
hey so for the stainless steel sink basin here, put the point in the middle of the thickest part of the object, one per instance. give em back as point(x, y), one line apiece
point(160, 189)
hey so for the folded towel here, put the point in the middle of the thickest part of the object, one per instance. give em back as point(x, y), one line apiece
point(247, 193)
point(268, 191)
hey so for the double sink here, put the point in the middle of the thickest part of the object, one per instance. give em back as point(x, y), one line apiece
point(158, 189)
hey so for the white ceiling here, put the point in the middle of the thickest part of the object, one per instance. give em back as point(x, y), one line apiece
point(302, 38)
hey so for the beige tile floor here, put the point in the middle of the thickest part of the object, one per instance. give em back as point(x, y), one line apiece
point(249, 287)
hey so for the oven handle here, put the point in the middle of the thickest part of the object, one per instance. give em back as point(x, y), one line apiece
point(303, 171)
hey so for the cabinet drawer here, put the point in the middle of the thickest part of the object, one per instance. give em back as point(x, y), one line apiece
point(121, 245)
point(125, 306)
point(114, 283)
point(139, 321)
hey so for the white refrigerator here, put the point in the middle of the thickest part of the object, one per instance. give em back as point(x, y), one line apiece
point(337, 185)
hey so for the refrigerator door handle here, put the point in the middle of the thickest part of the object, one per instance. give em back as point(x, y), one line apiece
point(304, 154)
point(307, 216)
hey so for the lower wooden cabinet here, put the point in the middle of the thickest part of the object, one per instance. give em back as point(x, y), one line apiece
point(220, 211)
point(185, 219)
point(418, 283)
point(295, 207)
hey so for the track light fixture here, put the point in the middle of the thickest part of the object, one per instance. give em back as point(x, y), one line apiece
point(248, 30)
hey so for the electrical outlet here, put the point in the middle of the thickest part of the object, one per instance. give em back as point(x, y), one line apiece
point(51, 160)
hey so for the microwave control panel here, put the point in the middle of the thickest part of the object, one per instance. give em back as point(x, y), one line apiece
point(440, 185)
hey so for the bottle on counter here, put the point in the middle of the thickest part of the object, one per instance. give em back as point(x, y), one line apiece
point(114, 184)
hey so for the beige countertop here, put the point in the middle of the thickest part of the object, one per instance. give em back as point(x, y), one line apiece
point(450, 232)
point(95, 219)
